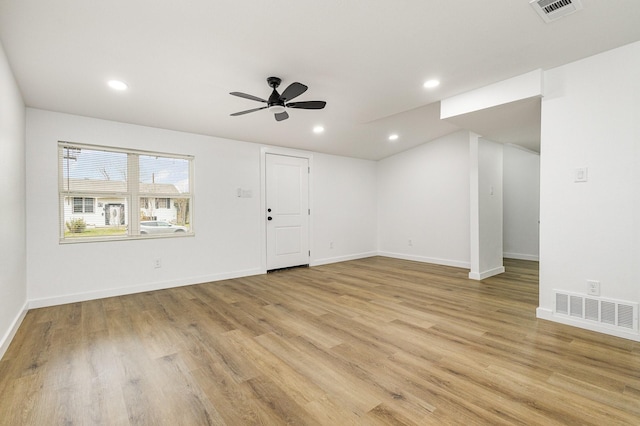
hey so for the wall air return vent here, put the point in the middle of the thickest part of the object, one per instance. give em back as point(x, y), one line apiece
point(610, 313)
point(591, 309)
point(550, 10)
point(562, 303)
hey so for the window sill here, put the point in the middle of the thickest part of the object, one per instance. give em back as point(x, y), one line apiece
point(125, 238)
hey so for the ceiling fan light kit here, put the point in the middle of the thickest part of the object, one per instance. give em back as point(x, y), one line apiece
point(276, 109)
point(277, 103)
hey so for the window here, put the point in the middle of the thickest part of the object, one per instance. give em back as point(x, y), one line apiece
point(77, 205)
point(163, 203)
point(130, 189)
point(88, 205)
point(82, 205)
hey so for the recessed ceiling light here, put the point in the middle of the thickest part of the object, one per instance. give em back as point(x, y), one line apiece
point(117, 85)
point(318, 129)
point(430, 84)
point(393, 137)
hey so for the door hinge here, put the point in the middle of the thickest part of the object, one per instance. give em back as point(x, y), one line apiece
point(309, 253)
point(309, 169)
point(309, 211)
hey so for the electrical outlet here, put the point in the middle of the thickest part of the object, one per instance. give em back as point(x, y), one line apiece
point(157, 264)
point(593, 288)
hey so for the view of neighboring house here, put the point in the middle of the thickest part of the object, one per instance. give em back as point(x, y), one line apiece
point(100, 205)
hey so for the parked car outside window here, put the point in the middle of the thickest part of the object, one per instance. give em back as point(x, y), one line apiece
point(159, 227)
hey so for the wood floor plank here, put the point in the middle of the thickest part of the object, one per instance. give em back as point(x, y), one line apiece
point(332, 381)
point(301, 390)
point(234, 405)
point(190, 405)
point(375, 341)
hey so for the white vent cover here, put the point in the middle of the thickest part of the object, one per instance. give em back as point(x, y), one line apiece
point(562, 303)
point(550, 10)
point(615, 313)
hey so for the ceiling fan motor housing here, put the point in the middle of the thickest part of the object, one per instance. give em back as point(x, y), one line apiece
point(275, 103)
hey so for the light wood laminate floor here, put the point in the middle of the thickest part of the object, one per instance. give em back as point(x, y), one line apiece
point(376, 341)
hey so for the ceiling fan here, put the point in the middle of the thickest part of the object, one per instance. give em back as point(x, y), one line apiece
point(278, 102)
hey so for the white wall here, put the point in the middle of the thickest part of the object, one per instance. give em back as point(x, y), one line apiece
point(486, 208)
point(344, 209)
point(228, 228)
point(423, 196)
point(591, 230)
point(13, 291)
point(521, 198)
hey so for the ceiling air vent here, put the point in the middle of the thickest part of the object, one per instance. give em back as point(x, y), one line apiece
point(550, 10)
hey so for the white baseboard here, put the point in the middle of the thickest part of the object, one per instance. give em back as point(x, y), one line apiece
point(547, 314)
point(486, 274)
point(328, 260)
point(521, 256)
point(11, 332)
point(544, 313)
point(423, 259)
point(81, 297)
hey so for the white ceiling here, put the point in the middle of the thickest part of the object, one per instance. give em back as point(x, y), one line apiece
point(367, 58)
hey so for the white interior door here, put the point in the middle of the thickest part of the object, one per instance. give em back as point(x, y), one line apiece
point(287, 211)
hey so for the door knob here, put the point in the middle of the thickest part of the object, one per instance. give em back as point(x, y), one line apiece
point(269, 218)
point(269, 210)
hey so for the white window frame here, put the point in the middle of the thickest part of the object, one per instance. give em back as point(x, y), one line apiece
point(131, 195)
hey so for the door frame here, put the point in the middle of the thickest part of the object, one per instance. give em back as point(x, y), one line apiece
point(263, 198)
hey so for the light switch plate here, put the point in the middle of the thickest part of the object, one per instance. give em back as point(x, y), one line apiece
point(581, 174)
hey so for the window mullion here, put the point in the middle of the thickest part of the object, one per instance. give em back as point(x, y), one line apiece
point(133, 189)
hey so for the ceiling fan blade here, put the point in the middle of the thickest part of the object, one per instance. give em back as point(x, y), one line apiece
point(281, 116)
point(307, 105)
point(248, 111)
point(293, 91)
point(244, 95)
